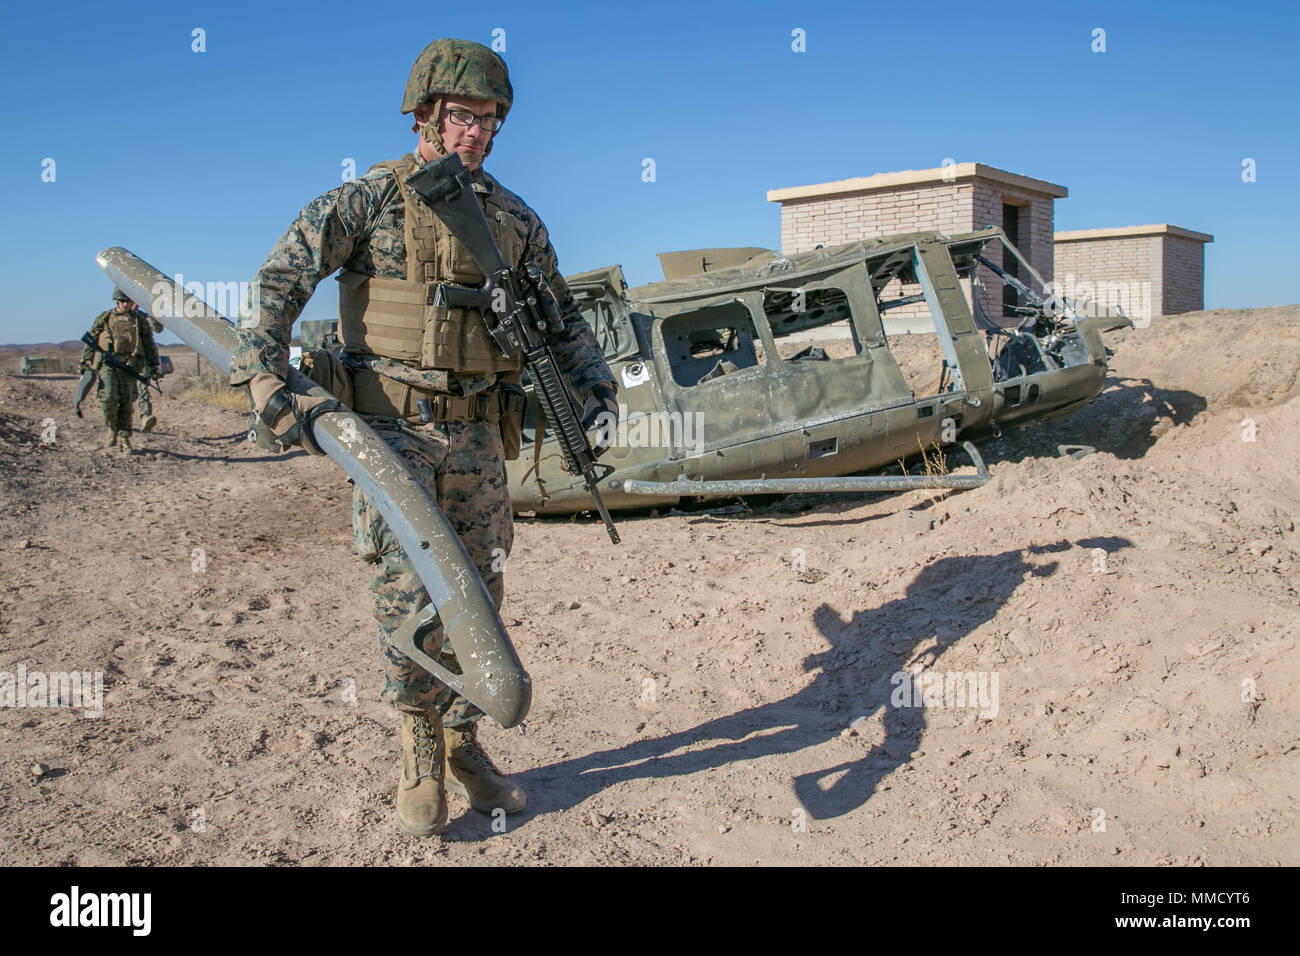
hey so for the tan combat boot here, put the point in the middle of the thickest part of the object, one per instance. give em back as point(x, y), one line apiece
point(471, 774)
point(112, 438)
point(147, 423)
point(124, 443)
point(421, 799)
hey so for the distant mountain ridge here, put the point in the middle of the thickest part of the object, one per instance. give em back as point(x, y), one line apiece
point(64, 346)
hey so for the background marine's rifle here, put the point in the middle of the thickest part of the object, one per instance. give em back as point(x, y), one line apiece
point(517, 304)
point(113, 359)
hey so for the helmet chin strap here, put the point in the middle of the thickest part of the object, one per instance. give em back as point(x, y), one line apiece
point(429, 131)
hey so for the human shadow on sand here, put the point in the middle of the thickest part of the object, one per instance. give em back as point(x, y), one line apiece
point(946, 601)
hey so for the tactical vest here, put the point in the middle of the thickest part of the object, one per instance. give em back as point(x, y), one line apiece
point(121, 335)
point(396, 318)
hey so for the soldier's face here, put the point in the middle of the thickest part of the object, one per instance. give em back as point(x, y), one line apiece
point(125, 306)
point(469, 141)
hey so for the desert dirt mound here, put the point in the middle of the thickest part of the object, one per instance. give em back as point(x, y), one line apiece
point(738, 685)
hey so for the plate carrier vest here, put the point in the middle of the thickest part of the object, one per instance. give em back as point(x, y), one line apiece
point(396, 318)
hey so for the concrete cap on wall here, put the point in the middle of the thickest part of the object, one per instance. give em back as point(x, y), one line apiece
point(1128, 232)
point(940, 175)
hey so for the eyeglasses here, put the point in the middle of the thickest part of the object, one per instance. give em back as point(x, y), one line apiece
point(490, 123)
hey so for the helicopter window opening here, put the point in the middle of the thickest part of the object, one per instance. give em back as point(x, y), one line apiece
point(712, 342)
point(914, 344)
point(1013, 341)
point(910, 330)
point(1033, 392)
point(925, 411)
point(999, 301)
point(1018, 357)
point(1012, 395)
point(707, 344)
point(811, 325)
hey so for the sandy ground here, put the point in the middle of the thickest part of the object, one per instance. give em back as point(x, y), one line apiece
point(717, 689)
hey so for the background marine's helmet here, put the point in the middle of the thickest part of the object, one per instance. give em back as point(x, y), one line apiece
point(450, 67)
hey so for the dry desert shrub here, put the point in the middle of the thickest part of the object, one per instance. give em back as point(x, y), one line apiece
point(210, 386)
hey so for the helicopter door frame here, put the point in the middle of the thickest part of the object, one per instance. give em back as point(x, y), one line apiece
point(963, 347)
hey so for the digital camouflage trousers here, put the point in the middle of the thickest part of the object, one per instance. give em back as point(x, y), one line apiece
point(461, 465)
point(143, 406)
point(116, 396)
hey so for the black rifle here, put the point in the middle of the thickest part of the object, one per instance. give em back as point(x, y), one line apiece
point(112, 359)
point(512, 303)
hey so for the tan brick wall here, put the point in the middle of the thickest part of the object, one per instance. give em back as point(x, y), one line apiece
point(1127, 271)
point(830, 221)
point(1184, 275)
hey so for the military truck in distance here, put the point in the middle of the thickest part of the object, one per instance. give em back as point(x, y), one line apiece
point(40, 365)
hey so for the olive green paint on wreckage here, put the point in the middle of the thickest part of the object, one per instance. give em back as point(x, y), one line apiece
point(493, 677)
point(700, 369)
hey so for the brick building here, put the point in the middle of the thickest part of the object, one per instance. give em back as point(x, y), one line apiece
point(949, 199)
point(1148, 270)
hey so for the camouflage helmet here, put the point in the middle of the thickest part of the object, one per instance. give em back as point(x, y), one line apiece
point(450, 67)
point(120, 296)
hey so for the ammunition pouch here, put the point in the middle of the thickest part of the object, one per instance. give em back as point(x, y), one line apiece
point(382, 316)
point(513, 404)
point(403, 320)
point(375, 394)
point(327, 370)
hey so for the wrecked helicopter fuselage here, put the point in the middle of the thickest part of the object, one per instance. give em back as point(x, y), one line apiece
point(715, 387)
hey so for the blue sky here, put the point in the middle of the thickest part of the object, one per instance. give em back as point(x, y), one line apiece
point(197, 162)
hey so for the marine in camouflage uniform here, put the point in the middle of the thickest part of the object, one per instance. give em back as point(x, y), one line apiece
point(143, 404)
point(367, 229)
point(125, 331)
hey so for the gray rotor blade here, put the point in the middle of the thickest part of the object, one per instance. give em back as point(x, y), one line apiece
point(492, 676)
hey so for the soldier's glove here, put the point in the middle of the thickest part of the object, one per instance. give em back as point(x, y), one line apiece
point(601, 411)
point(155, 371)
point(281, 416)
point(83, 368)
